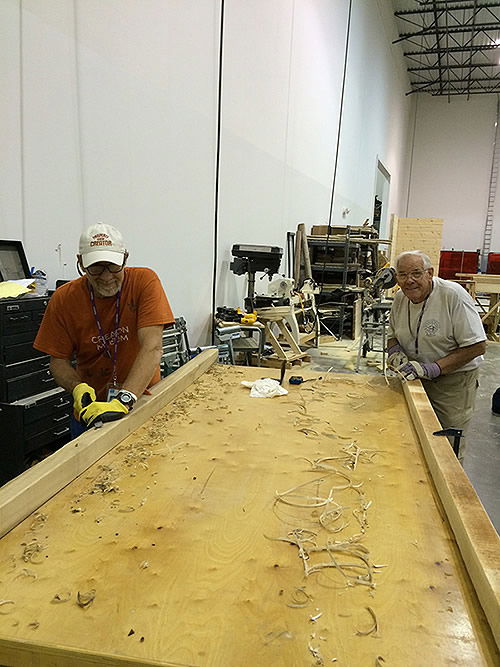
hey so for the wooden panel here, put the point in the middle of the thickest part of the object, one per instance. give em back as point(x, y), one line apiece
point(417, 234)
point(171, 528)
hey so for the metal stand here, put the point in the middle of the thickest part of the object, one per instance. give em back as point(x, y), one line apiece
point(455, 433)
point(374, 326)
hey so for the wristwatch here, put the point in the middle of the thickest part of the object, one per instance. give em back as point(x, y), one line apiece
point(126, 398)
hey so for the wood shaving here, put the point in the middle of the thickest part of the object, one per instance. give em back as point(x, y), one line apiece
point(39, 519)
point(374, 629)
point(308, 431)
point(105, 481)
point(61, 597)
point(31, 550)
point(316, 655)
point(9, 609)
point(85, 599)
point(27, 573)
point(300, 599)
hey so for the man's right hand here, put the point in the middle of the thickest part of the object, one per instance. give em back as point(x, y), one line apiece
point(103, 411)
point(83, 396)
point(397, 357)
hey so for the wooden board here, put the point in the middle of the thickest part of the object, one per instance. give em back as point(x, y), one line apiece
point(417, 234)
point(171, 527)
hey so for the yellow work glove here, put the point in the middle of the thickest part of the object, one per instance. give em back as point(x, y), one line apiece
point(83, 395)
point(103, 411)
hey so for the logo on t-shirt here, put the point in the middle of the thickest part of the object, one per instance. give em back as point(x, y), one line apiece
point(431, 327)
point(108, 340)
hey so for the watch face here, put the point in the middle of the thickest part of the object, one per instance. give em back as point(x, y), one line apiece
point(125, 398)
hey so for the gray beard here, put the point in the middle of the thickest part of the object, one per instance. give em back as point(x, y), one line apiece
point(107, 292)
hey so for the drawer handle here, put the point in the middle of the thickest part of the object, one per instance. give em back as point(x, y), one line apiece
point(61, 405)
point(60, 419)
point(63, 432)
point(50, 379)
point(17, 318)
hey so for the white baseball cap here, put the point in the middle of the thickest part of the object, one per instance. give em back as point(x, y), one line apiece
point(101, 243)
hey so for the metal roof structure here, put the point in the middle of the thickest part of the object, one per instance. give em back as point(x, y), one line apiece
point(452, 47)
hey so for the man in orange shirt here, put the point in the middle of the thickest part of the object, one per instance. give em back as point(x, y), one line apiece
point(111, 321)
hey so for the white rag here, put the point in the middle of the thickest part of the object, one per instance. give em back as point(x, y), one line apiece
point(265, 388)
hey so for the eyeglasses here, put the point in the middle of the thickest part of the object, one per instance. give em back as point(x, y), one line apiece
point(98, 269)
point(414, 275)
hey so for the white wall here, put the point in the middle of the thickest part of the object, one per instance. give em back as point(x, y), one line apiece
point(109, 112)
point(376, 118)
point(451, 166)
point(281, 103)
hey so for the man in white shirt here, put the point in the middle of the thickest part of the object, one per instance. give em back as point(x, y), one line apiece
point(436, 335)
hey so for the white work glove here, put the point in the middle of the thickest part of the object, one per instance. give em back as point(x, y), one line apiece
point(396, 357)
point(414, 370)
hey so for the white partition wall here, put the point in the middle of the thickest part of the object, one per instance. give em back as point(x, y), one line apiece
point(280, 111)
point(376, 117)
point(110, 112)
point(451, 167)
point(147, 73)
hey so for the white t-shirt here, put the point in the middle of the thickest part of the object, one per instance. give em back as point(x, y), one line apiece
point(430, 330)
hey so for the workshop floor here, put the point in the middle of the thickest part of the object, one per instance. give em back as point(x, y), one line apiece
point(482, 458)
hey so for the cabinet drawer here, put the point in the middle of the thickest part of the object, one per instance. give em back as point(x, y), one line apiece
point(13, 354)
point(34, 383)
point(13, 323)
point(54, 407)
point(53, 435)
point(24, 367)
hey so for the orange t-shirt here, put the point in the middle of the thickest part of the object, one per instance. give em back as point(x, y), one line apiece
point(69, 329)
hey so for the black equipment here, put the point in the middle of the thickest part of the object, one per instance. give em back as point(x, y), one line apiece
point(250, 259)
point(13, 262)
point(455, 433)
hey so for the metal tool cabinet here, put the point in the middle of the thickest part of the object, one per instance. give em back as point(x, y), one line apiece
point(33, 411)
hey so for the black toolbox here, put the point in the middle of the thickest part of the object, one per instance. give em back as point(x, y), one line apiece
point(30, 424)
point(34, 412)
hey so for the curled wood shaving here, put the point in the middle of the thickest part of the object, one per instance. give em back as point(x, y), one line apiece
point(315, 652)
point(27, 573)
point(105, 481)
point(61, 597)
point(85, 599)
point(314, 618)
point(6, 602)
point(39, 520)
point(32, 549)
point(308, 431)
point(373, 629)
point(300, 599)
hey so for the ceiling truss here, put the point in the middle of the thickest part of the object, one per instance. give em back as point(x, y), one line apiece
point(452, 47)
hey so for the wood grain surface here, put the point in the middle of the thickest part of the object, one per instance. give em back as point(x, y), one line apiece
point(170, 532)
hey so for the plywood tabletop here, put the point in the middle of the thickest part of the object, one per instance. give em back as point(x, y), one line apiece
point(167, 541)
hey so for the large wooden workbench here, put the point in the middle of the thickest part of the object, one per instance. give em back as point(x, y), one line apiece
point(180, 546)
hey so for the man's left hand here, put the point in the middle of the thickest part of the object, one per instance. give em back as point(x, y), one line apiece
point(103, 411)
point(414, 370)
